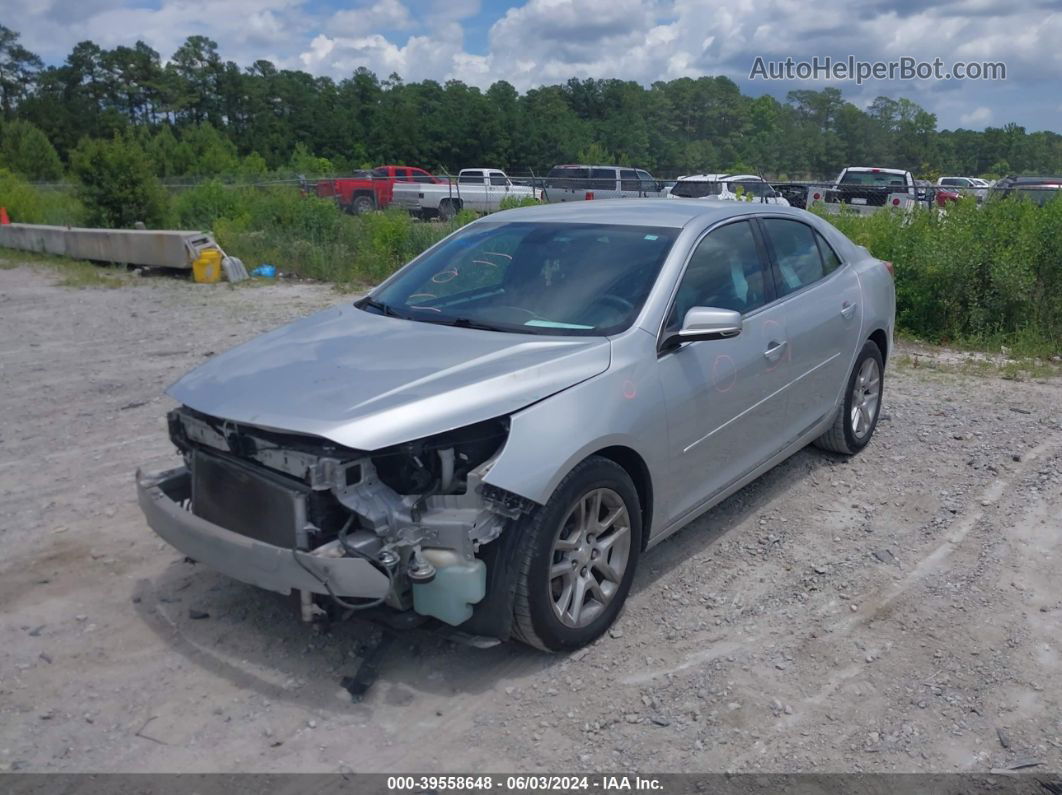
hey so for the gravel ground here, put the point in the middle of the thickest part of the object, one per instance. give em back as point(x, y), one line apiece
point(900, 611)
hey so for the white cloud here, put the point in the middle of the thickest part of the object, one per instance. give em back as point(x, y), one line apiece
point(368, 19)
point(978, 117)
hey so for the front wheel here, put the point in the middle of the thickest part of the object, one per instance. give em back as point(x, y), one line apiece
point(578, 557)
point(858, 415)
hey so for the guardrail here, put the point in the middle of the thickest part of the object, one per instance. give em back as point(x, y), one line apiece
point(157, 248)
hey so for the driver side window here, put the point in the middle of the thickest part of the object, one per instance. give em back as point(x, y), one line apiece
point(725, 271)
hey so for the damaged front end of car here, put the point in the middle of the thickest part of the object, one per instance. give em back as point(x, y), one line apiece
point(407, 528)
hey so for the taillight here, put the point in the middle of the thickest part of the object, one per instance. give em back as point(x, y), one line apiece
point(890, 268)
point(816, 196)
point(895, 202)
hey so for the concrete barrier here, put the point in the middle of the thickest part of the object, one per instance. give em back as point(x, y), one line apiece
point(159, 248)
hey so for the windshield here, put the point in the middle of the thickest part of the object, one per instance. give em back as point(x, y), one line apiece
point(540, 278)
point(696, 189)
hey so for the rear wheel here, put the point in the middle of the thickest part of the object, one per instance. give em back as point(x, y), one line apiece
point(447, 210)
point(363, 204)
point(858, 415)
point(578, 557)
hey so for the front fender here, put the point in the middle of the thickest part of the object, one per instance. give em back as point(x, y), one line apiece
point(623, 406)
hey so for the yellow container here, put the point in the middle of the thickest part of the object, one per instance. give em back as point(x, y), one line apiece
point(206, 269)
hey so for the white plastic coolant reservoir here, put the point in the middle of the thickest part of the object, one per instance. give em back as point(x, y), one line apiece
point(458, 584)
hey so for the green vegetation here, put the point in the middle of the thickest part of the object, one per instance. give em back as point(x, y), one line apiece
point(118, 121)
point(196, 114)
point(979, 277)
point(116, 183)
point(307, 235)
point(27, 204)
point(25, 150)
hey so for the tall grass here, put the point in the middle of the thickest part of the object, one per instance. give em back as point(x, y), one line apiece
point(307, 235)
point(27, 204)
point(978, 276)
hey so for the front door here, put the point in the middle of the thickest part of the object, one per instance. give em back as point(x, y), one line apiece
point(725, 398)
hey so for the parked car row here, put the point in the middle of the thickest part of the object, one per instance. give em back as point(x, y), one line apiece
point(485, 189)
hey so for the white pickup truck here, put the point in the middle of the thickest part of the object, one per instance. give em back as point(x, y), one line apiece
point(867, 188)
point(479, 189)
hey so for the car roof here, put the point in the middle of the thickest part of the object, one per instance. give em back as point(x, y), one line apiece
point(720, 178)
point(1037, 180)
point(875, 168)
point(597, 165)
point(640, 212)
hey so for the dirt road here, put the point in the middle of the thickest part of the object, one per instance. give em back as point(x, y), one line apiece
point(901, 611)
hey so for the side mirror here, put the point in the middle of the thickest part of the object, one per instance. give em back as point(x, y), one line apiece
point(705, 323)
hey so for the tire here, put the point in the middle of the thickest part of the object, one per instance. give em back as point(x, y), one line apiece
point(851, 432)
point(362, 205)
point(537, 619)
point(447, 210)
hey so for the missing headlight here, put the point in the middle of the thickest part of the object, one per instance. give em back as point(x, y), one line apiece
point(440, 464)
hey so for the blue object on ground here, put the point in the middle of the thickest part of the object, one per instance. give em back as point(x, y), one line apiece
point(265, 272)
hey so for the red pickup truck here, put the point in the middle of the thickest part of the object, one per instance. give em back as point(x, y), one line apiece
point(370, 190)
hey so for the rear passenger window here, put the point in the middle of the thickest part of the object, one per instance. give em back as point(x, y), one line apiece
point(470, 178)
point(602, 179)
point(796, 253)
point(568, 178)
point(830, 260)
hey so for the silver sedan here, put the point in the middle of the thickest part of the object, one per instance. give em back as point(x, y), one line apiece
point(494, 435)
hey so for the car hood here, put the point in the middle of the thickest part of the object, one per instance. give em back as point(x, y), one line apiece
point(368, 381)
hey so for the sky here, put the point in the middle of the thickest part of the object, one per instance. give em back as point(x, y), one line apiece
point(535, 42)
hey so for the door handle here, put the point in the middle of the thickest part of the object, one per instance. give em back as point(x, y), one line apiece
point(847, 310)
point(775, 350)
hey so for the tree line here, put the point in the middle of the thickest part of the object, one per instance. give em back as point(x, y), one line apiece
point(198, 115)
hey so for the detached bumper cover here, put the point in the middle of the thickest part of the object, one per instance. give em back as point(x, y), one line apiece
point(246, 559)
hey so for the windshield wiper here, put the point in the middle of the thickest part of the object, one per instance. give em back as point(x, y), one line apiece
point(460, 322)
point(377, 305)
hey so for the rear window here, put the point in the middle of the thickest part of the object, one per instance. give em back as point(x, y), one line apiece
point(696, 189)
point(603, 178)
point(751, 187)
point(471, 178)
point(871, 178)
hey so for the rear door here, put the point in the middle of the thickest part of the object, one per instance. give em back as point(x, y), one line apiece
point(823, 316)
point(567, 183)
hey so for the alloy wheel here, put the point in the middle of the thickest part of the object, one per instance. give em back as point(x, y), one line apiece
point(866, 395)
point(589, 557)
